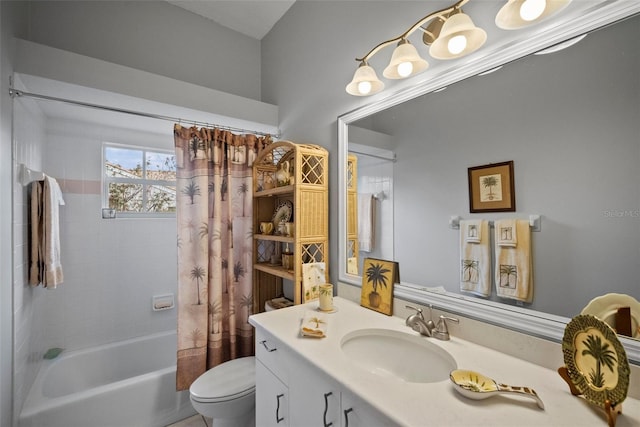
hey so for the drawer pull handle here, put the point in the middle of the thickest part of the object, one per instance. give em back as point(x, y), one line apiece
point(278, 419)
point(326, 408)
point(264, 344)
point(346, 416)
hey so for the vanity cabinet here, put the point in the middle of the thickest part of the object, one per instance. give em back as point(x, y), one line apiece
point(272, 374)
point(292, 392)
point(290, 191)
point(272, 398)
point(318, 400)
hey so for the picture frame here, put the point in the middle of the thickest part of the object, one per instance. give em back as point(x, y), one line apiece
point(378, 279)
point(491, 188)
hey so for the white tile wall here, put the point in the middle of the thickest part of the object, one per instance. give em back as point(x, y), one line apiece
point(112, 268)
point(29, 136)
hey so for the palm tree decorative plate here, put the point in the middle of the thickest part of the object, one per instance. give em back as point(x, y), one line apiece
point(596, 361)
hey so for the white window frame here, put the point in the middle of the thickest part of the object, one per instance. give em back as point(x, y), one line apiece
point(106, 180)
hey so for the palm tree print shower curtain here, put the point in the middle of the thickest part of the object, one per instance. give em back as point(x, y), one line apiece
point(214, 225)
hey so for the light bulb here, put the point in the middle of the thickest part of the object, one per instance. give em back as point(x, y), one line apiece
point(364, 87)
point(532, 9)
point(405, 69)
point(457, 44)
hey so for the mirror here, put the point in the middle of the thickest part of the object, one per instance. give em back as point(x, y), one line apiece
point(575, 165)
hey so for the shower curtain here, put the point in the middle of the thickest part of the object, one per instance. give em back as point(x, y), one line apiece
point(214, 224)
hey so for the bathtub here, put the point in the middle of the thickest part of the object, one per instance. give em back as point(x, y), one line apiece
point(127, 383)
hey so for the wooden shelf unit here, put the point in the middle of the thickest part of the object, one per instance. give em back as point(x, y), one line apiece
point(307, 191)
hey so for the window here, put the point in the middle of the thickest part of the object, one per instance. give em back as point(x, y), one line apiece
point(139, 181)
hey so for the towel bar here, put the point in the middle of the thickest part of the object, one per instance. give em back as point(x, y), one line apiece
point(535, 222)
point(27, 176)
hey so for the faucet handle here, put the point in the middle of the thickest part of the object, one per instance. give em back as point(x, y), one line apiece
point(418, 311)
point(442, 331)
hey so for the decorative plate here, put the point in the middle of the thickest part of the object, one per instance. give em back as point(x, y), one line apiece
point(596, 361)
point(283, 212)
point(606, 307)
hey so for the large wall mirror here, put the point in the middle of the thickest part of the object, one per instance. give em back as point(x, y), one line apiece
point(570, 121)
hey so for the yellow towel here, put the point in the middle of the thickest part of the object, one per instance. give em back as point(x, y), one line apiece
point(314, 324)
point(514, 266)
point(475, 257)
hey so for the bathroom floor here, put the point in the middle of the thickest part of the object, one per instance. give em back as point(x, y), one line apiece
point(194, 421)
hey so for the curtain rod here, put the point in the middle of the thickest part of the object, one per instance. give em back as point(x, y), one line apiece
point(19, 93)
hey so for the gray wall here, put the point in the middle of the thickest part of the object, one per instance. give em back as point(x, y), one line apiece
point(153, 36)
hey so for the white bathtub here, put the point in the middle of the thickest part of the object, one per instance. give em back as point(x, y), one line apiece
point(123, 384)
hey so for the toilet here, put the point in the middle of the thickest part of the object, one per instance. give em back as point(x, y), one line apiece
point(227, 393)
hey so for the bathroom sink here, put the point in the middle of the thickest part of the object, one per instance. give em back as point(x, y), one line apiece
point(393, 354)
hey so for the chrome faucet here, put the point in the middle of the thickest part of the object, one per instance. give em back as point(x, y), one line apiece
point(417, 323)
point(427, 327)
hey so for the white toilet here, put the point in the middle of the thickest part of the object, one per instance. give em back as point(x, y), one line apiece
point(227, 393)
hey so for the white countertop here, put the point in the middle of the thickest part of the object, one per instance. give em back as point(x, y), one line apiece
point(438, 404)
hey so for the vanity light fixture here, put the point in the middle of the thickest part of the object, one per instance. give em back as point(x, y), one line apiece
point(518, 14)
point(451, 34)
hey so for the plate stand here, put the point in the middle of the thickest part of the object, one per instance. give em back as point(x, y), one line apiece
point(611, 410)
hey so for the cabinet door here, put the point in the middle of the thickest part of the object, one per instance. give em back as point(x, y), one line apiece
point(315, 398)
point(357, 413)
point(272, 399)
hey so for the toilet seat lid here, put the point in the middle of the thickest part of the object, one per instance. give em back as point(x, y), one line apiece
point(227, 381)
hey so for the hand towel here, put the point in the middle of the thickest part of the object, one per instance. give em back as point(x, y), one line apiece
point(313, 275)
point(35, 234)
point(314, 324)
point(514, 265)
point(472, 230)
point(506, 233)
point(366, 222)
point(51, 201)
point(475, 259)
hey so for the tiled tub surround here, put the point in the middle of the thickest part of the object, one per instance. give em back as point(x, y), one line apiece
point(126, 383)
point(414, 404)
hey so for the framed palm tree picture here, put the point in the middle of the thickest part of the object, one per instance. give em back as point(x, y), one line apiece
point(491, 188)
point(377, 285)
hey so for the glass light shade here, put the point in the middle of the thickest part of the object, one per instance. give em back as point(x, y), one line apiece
point(405, 62)
point(365, 81)
point(457, 27)
point(510, 17)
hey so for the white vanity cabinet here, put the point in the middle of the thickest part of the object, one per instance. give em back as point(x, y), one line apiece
point(315, 397)
point(318, 400)
point(272, 399)
point(272, 375)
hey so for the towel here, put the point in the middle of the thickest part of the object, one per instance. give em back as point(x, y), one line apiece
point(314, 324)
point(35, 233)
point(506, 233)
point(472, 230)
point(514, 266)
point(366, 222)
point(475, 258)
point(45, 266)
point(313, 275)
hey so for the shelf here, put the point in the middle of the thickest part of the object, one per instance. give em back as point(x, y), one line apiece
point(276, 270)
point(274, 238)
point(286, 189)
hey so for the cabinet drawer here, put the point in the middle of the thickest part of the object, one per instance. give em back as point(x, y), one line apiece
point(272, 354)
